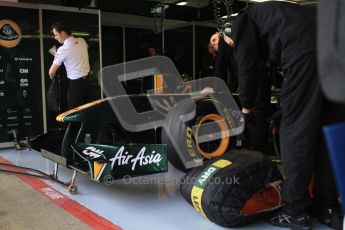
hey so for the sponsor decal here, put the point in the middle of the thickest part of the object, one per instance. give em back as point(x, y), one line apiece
point(2, 82)
point(12, 118)
point(2, 94)
point(24, 82)
point(22, 59)
point(123, 158)
point(12, 125)
point(27, 110)
point(1, 70)
point(189, 141)
point(11, 111)
point(230, 115)
point(206, 174)
point(87, 139)
point(202, 181)
point(25, 93)
point(93, 152)
point(51, 193)
point(27, 117)
point(24, 71)
point(10, 33)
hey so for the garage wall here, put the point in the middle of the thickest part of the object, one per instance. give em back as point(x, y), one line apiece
point(23, 68)
point(24, 62)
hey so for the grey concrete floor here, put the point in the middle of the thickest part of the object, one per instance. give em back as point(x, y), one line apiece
point(150, 202)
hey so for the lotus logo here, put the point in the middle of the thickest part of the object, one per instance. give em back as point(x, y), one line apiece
point(10, 33)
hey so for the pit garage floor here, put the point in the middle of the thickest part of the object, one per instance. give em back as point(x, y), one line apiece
point(150, 202)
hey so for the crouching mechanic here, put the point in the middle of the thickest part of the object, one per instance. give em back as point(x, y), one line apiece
point(287, 31)
point(74, 55)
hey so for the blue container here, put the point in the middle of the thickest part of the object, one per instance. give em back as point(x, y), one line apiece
point(335, 138)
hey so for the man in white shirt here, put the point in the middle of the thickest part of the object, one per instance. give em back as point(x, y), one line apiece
point(74, 55)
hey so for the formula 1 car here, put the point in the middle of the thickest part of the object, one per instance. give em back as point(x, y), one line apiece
point(130, 135)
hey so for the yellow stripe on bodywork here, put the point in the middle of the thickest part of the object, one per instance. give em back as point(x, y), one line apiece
point(97, 169)
point(61, 116)
point(197, 191)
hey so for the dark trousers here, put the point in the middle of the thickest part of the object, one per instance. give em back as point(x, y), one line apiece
point(301, 104)
point(76, 96)
point(256, 128)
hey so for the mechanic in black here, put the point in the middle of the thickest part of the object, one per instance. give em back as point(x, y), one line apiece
point(255, 135)
point(288, 31)
point(207, 61)
point(225, 65)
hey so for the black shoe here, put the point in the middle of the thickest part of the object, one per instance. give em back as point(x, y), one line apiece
point(331, 216)
point(297, 222)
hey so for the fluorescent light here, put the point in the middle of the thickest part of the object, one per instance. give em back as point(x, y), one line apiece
point(260, 0)
point(158, 9)
point(181, 3)
point(292, 1)
point(81, 34)
point(231, 15)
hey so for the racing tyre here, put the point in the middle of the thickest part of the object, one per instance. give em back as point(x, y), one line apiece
point(205, 112)
point(235, 189)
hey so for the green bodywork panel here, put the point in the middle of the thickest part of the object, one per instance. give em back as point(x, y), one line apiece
point(97, 112)
point(102, 111)
point(123, 160)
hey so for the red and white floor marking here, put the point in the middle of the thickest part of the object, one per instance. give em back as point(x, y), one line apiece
point(87, 216)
